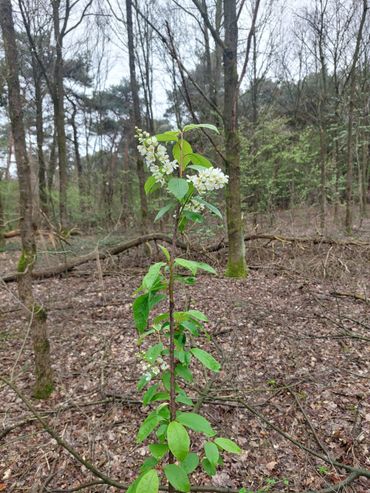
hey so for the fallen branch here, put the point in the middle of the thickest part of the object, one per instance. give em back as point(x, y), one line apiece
point(292, 239)
point(105, 480)
point(122, 247)
point(71, 264)
point(356, 296)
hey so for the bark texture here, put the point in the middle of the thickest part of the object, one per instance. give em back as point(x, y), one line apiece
point(236, 266)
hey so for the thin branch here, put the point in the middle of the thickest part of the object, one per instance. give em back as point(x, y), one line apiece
point(249, 42)
point(208, 23)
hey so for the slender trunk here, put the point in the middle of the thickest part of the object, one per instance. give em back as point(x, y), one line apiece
point(127, 199)
point(9, 154)
point(38, 328)
point(218, 58)
point(2, 217)
point(351, 107)
point(40, 140)
point(59, 114)
point(171, 282)
point(78, 161)
point(236, 266)
point(323, 158)
point(322, 118)
point(136, 115)
point(337, 179)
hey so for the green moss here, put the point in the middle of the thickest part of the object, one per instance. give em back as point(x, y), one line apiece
point(40, 313)
point(237, 269)
point(25, 260)
point(43, 391)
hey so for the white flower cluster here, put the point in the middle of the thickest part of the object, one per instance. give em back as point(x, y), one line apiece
point(195, 206)
point(209, 179)
point(155, 156)
point(151, 370)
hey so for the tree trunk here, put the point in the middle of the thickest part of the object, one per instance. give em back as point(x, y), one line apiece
point(136, 115)
point(351, 107)
point(2, 217)
point(78, 161)
point(38, 329)
point(40, 138)
point(58, 102)
point(236, 266)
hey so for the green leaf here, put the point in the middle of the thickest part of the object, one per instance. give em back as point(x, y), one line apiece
point(148, 464)
point(165, 252)
point(178, 187)
point(153, 273)
point(132, 487)
point(206, 359)
point(191, 326)
point(184, 399)
point(210, 207)
point(150, 185)
point(149, 394)
point(192, 126)
point(193, 216)
point(161, 396)
point(147, 426)
point(199, 161)
point(168, 136)
point(228, 445)
point(142, 382)
point(164, 211)
point(161, 432)
point(149, 483)
point(178, 440)
point(194, 266)
point(154, 352)
point(177, 477)
point(141, 312)
point(198, 315)
point(186, 152)
point(196, 422)
point(212, 453)
point(209, 468)
point(190, 463)
point(158, 450)
point(184, 373)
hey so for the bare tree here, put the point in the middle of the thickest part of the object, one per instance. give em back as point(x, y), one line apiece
point(351, 108)
point(136, 113)
point(37, 315)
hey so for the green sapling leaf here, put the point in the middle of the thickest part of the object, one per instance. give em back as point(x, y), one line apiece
point(228, 445)
point(149, 483)
point(196, 422)
point(206, 359)
point(178, 440)
point(177, 477)
point(212, 453)
point(178, 187)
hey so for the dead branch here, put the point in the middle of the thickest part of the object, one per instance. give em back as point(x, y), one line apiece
point(292, 239)
point(356, 296)
point(122, 247)
point(71, 264)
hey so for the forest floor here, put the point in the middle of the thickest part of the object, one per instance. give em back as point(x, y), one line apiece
point(293, 351)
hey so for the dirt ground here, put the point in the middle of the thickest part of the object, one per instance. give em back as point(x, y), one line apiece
point(293, 350)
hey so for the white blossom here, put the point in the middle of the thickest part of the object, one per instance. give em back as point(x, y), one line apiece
point(209, 179)
point(155, 156)
point(194, 205)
